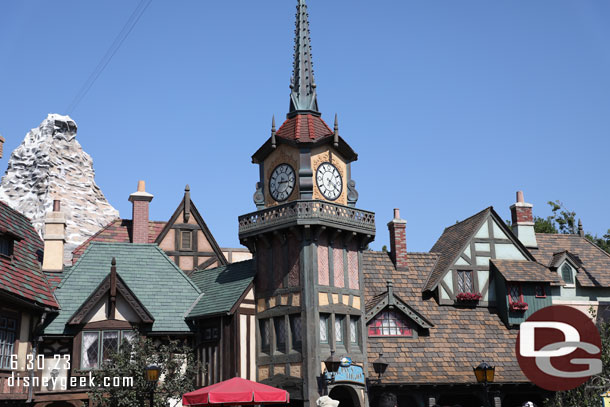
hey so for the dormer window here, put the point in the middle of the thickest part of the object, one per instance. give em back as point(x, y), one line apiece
point(390, 323)
point(6, 245)
point(567, 274)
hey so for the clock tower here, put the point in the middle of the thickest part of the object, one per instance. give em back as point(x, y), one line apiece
point(307, 239)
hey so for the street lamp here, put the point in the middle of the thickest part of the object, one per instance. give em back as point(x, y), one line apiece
point(332, 364)
point(485, 374)
point(380, 365)
point(152, 377)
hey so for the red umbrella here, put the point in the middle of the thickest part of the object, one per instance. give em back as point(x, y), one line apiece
point(235, 391)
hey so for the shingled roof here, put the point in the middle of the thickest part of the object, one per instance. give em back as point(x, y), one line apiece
point(452, 243)
point(445, 353)
point(21, 274)
point(222, 287)
point(525, 271)
point(117, 231)
point(595, 270)
point(160, 285)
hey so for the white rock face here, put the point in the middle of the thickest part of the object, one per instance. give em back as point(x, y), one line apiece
point(51, 164)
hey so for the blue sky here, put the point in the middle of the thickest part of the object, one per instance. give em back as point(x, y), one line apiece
point(451, 105)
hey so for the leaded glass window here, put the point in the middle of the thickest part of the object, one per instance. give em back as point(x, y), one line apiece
point(295, 328)
point(6, 245)
point(465, 281)
point(353, 330)
point(515, 293)
point(390, 323)
point(90, 350)
point(566, 273)
point(110, 344)
point(8, 331)
point(540, 292)
point(339, 329)
point(323, 328)
point(280, 334)
point(263, 327)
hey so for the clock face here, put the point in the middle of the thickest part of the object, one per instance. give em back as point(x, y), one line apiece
point(281, 183)
point(329, 181)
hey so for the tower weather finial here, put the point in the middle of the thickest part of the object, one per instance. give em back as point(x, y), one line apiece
point(303, 88)
point(336, 132)
point(273, 143)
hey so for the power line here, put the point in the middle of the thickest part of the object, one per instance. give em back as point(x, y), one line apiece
point(114, 47)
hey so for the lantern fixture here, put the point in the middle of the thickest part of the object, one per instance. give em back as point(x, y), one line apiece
point(380, 365)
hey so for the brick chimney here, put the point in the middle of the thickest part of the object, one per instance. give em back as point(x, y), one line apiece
point(54, 239)
point(523, 221)
point(398, 241)
point(140, 201)
point(1, 146)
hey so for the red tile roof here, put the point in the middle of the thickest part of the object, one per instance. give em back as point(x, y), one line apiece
point(304, 128)
point(117, 231)
point(458, 341)
point(21, 275)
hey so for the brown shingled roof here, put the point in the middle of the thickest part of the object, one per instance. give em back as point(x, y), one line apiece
point(449, 350)
point(525, 271)
point(452, 243)
point(595, 270)
point(117, 231)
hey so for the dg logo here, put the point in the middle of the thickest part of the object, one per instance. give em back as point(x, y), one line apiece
point(559, 348)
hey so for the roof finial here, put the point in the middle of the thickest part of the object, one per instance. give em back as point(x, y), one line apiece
point(336, 132)
point(303, 87)
point(273, 143)
point(187, 203)
point(581, 232)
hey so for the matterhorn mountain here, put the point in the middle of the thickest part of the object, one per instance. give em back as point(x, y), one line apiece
point(51, 164)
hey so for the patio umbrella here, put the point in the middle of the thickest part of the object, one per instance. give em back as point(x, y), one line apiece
point(235, 391)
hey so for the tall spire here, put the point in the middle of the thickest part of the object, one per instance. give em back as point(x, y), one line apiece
point(302, 84)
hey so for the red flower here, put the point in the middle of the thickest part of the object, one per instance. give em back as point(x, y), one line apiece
point(468, 296)
point(518, 306)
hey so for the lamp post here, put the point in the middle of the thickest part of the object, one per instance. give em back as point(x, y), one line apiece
point(152, 377)
point(485, 374)
point(380, 365)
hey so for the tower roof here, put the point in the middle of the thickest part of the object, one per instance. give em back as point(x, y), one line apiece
point(302, 84)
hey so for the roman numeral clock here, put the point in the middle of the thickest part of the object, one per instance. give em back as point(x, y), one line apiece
point(307, 238)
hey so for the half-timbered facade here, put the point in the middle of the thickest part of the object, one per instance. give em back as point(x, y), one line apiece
point(26, 302)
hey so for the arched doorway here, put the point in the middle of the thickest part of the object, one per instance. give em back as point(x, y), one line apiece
point(346, 396)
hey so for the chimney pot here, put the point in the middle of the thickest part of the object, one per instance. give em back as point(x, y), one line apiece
point(523, 221)
point(398, 241)
point(140, 201)
point(54, 239)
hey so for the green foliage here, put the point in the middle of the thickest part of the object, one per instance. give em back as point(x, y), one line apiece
point(178, 373)
point(603, 242)
point(588, 394)
point(561, 220)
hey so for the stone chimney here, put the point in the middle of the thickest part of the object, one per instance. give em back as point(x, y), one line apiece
point(140, 201)
point(54, 239)
point(523, 221)
point(398, 241)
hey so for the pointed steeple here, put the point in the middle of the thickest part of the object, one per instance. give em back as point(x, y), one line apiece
point(303, 87)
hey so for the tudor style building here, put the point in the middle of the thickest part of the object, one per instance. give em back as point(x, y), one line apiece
point(307, 239)
point(26, 301)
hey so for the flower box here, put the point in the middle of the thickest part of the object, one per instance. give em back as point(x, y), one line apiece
point(518, 306)
point(467, 297)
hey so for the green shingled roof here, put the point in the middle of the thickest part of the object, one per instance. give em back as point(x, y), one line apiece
point(221, 287)
point(158, 283)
